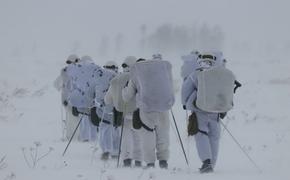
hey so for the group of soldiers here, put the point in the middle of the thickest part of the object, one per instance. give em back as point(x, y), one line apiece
point(129, 110)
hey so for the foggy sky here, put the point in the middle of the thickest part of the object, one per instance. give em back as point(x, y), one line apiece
point(49, 24)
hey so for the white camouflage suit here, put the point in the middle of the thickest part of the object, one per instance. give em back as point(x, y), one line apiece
point(207, 139)
point(189, 64)
point(131, 145)
point(153, 99)
point(109, 135)
point(85, 75)
point(63, 84)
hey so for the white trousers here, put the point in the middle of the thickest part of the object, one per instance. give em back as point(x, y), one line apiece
point(109, 138)
point(88, 132)
point(208, 144)
point(131, 145)
point(71, 123)
point(158, 140)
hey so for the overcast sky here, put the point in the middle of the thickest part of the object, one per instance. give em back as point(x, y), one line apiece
point(58, 22)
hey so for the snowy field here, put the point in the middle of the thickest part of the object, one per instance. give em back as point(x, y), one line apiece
point(30, 117)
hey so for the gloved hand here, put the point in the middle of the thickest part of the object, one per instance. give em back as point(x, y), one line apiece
point(184, 107)
point(222, 115)
point(237, 85)
point(65, 103)
point(126, 85)
point(75, 111)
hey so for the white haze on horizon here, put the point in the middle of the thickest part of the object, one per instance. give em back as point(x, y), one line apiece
point(56, 27)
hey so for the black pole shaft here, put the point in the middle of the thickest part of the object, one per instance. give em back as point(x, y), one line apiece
point(179, 138)
point(120, 143)
point(72, 136)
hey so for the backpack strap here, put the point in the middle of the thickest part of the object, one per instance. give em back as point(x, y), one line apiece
point(203, 132)
point(146, 127)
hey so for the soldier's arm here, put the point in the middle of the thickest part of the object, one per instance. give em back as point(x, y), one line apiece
point(108, 97)
point(129, 91)
point(188, 87)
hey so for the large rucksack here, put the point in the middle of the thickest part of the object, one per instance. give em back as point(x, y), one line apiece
point(154, 83)
point(215, 89)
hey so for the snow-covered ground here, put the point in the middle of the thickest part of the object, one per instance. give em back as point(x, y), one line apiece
point(30, 117)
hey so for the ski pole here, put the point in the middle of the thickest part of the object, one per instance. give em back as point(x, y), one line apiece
point(226, 123)
point(121, 137)
point(179, 138)
point(120, 143)
point(188, 137)
point(72, 136)
point(63, 122)
point(239, 145)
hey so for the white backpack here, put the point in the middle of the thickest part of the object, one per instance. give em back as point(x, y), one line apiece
point(155, 85)
point(215, 89)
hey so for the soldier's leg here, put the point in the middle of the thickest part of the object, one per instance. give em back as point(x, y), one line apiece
point(71, 123)
point(105, 137)
point(84, 129)
point(116, 135)
point(137, 148)
point(202, 139)
point(162, 136)
point(126, 146)
point(148, 139)
point(214, 137)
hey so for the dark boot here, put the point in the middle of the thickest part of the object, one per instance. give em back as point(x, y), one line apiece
point(163, 164)
point(114, 156)
point(138, 163)
point(150, 165)
point(105, 156)
point(206, 167)
point(127, 162)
